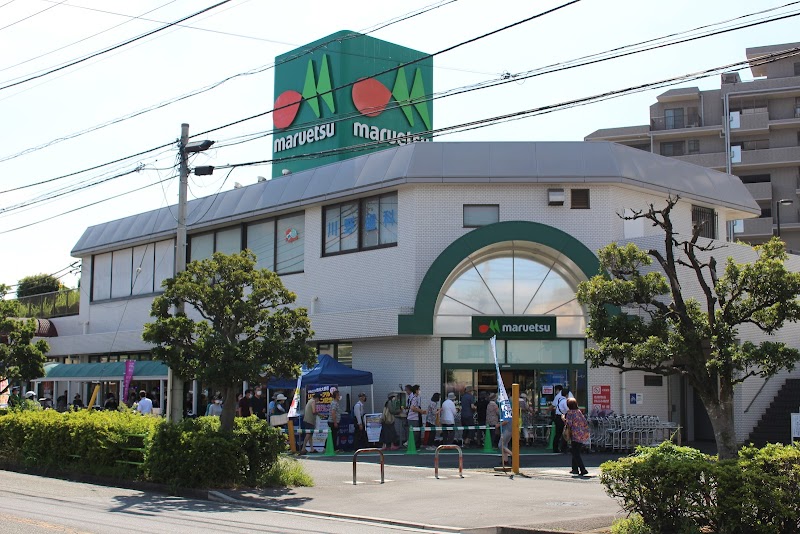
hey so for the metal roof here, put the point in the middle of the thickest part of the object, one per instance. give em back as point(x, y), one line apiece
point(593, 162)
point(88, 372)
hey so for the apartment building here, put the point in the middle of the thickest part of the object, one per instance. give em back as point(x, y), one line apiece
point(750, 129)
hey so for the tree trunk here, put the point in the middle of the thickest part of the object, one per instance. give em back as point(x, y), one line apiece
point(721, 414)
point(229, 407)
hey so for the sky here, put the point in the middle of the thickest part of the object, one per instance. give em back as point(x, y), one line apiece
point(37, 36)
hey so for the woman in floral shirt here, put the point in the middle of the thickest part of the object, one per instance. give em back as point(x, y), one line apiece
point(579, 429)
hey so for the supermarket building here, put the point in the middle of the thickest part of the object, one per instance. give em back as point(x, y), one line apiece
point(407, 256)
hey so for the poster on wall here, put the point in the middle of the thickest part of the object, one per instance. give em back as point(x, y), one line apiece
point(637, 398)
point(601, 397)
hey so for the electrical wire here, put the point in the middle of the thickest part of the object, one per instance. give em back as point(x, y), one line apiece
point(85, 38)
point(109, 49)
point(762, 60)
point(30, 16)
point(195, 92)
point(520, 76)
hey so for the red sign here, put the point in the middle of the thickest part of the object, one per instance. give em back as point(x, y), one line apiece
point(601, 397)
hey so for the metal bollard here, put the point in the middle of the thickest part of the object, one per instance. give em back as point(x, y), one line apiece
point(436, 459)
point(355, 460)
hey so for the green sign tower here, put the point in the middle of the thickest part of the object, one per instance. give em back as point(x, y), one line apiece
point(315, 123)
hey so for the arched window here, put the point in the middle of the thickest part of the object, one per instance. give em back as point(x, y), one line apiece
point(511, 278)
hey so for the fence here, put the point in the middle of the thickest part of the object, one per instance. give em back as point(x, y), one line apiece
point(55, 304)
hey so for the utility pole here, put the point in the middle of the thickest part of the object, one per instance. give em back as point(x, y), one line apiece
point(175, 382)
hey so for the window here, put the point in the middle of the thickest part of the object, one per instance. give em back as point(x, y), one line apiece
point(756, 179)
point(653, 380)
point(797, 68)
point(797, 106)
point(766, 213)
point(341, 352)
point(134, 271)
point(692, 117)
point(694, 146)
point(476, 215)
point(279, 244)
point(225, 240)
point(580, 199)
point(674, 119)
point(360, 224)
point(674, 148)
point(706, 218)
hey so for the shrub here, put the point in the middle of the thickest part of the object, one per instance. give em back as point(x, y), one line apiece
point(678, 489)
point(193, 455)
point(667, 485)
point(260, 442)
point(630, 525)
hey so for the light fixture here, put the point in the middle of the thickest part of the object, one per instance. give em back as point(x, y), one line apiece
point(556, 197)
point(285, 172)
point(237, 185)
point(198, 146)
point(261, 179)
point(785, 202)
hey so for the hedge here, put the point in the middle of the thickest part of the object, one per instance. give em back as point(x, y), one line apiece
point(681, 490)
point(192, 453)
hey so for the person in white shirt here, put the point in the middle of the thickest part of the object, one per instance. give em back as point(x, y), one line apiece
point(360, 439)
point(559, 409)
point(145, 405)
point(447, 418)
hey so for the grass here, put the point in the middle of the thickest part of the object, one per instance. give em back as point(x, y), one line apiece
point(286, 472)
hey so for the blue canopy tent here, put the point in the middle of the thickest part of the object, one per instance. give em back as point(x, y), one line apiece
point(327, 371)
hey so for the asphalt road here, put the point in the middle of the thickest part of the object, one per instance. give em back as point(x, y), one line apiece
point(37, 505)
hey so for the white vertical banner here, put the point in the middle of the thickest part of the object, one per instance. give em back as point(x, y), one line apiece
point(502, 397)
point(295, 398)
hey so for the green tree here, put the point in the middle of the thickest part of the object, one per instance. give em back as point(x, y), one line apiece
point(247, 326)
point(20, 359)
point(662, 330)
point(37, 284)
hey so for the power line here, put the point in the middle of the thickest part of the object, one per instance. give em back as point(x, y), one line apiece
point(112, 48)
point(30, 16)
point(507, 78)
point(591, 59)
point(85, 38)
point(490, 121)
point(195, 92)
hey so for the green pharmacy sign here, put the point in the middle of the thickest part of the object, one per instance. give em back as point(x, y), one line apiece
point(333, 98)
point(514, 327)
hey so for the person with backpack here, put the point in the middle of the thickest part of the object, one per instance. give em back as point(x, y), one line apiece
point(388, 434)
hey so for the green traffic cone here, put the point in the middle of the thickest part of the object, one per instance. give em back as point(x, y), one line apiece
point(487, 441)
point(412, 447)
point(552, 436)
point(329, 444)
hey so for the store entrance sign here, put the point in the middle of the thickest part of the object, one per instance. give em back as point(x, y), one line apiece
point(510, 327)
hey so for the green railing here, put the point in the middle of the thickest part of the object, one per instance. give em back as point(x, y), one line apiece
point(55, 304)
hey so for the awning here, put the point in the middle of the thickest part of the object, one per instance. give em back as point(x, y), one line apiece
point(103, 372)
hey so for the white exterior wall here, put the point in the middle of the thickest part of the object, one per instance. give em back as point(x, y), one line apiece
point(358, 296)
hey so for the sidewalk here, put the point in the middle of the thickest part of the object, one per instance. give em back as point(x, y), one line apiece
point(543, 497)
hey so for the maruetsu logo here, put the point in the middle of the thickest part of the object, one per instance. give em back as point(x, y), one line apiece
point(498, 328)
point(370, 98)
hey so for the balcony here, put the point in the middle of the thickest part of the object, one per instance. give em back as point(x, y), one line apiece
point(770, 157)
point(751, 123)
point(761, 227)
point(658, 124)
point(48, 305)
point(761, 191)
point(714, 160)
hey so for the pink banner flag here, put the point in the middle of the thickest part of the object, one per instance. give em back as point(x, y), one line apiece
point(129, 364)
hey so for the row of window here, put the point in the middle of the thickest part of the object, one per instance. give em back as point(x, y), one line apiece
point(680, 148)
point(360, 224)
point(278, 243)
point(132, 271)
